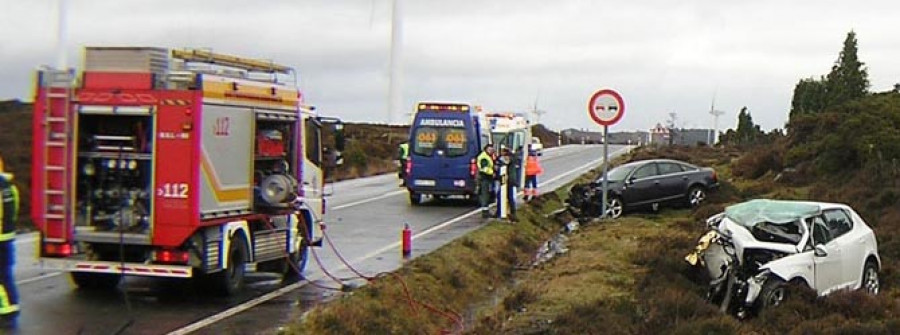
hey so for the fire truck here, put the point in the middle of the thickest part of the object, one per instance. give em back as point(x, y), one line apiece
point(177, 163)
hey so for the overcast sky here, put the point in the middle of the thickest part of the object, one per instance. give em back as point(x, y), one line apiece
point(663, 56)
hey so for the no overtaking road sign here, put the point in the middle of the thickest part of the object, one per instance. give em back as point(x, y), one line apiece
point(606, 107)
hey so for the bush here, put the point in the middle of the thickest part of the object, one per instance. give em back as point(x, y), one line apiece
point(757, 163)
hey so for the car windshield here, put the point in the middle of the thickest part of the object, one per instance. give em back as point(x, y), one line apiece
point(620, 172)
point(772, 220)
point(789, 232)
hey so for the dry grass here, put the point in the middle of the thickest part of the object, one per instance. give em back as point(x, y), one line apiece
point(462, 274)
point(624, 277)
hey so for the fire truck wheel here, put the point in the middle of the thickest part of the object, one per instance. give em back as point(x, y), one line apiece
point(296, 261)
point(231, 279)
point(96, 281)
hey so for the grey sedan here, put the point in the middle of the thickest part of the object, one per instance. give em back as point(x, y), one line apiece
point(646, 183)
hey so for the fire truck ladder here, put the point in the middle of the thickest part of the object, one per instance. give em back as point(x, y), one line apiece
point(57, 129)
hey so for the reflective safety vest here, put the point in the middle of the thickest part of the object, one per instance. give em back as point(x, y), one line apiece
point(9, 208)
point(404, 150)
point(485, 163)
point(532, 167)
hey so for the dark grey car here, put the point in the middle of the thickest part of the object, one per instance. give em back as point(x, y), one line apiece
point(647, 183)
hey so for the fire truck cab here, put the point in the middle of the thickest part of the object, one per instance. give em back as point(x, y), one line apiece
point(176, 163)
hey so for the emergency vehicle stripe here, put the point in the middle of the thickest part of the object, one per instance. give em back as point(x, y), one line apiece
point(250, 93)
point(222, 193)
point(177, 102)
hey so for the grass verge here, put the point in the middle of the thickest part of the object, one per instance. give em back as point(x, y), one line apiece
point(448, 282)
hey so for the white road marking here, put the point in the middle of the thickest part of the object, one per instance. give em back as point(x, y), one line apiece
point(360, 202)
point(287, 289)
point(38, 278)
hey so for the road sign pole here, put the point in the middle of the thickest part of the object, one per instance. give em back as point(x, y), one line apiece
point(605, 168)
point(605, 107)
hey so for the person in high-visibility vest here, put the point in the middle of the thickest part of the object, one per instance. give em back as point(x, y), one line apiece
point(485, 164)
point(532, 170)
point(9, 211)
point(403, 157)
point(510, 182)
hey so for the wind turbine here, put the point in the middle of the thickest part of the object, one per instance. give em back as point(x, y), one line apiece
point(395, 89)
point(715, 113)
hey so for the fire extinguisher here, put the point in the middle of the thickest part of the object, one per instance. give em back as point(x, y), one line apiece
point(407, 240)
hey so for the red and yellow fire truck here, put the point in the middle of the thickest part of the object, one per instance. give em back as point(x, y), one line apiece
point(176, 163)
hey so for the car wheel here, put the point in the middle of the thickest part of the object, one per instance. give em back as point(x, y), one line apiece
point(415, 198)
point(695, 196)
point(614, 207)
point(773, 293)
point(870, 282)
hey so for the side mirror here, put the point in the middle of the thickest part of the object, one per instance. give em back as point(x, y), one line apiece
point(631, 180)
point(821, 251)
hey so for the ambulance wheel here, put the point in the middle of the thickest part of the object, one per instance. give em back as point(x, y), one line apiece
point(231, 279)
point(96, 281)
point(415, 198)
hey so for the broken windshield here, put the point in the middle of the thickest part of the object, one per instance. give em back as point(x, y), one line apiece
point(777, 232)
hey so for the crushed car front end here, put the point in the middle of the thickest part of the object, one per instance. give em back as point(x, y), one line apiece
point(748, 254)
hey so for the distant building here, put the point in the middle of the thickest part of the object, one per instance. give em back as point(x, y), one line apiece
point(575, 136)
point(660, 135)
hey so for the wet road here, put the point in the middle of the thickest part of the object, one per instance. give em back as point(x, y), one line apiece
point(365, 219)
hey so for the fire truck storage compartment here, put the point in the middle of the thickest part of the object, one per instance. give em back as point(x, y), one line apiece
point(114, 172)
point(274, 173)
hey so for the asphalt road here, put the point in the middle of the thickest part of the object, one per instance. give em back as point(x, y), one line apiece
point(365, 220)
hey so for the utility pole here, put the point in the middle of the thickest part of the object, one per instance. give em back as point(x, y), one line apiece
point(673, 118)
point(537, 112)
point(715, 113)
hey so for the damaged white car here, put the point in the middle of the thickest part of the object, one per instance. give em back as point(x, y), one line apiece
point(755, 248)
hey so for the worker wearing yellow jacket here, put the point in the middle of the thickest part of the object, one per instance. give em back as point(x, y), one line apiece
point(9, 210)
point(485, 164)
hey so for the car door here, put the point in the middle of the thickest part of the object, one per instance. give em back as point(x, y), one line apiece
point(642, 186)
point(828, 268)
point(852, 252)
point(673, 180)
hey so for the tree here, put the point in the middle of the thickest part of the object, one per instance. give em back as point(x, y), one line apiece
point(809, 96)
point(848, 79)
point(747, 132)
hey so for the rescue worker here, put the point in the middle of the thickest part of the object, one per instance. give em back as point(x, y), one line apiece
point(532, 170)
point(513, 166)
point(403, 157)
point(485, 165)
point(9, 210)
